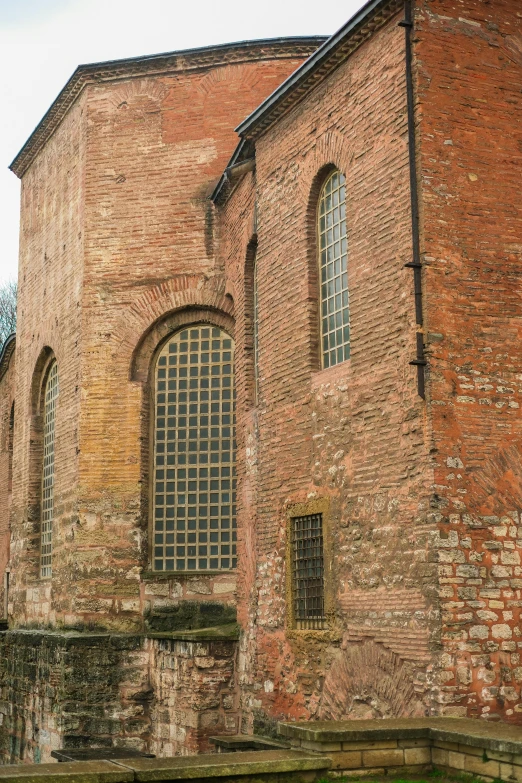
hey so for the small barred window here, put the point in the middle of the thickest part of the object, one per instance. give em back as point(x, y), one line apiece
point(47, 517)
point(308, 571)
point(333, 262)
point(194, 453)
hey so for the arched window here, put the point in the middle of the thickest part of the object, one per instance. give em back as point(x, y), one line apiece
point(47, 514)
point(333, 264)
point(194, 452)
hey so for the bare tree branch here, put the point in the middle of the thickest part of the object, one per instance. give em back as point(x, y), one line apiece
point(8, 293)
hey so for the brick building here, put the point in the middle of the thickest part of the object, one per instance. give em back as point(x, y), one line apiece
point(343, 292)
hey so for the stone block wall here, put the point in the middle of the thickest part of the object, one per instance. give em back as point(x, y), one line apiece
point(483, 750)
point(160, 695)
point(195, 694)
point(71, 691)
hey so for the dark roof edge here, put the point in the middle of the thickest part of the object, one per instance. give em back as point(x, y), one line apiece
point(6, 353)
point(243, 150)
point(138, 66)
point(277, 103)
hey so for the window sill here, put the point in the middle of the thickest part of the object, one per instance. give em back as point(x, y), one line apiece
point(152, 575)
point(325, 635)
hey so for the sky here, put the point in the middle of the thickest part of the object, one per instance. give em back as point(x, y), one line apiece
point(43, 41)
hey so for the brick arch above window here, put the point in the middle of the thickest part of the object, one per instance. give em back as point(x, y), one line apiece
point(130, 337)
point(333, 150)
point(42, 366)
point(168, 324)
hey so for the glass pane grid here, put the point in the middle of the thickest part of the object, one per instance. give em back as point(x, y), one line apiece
point(308, 571)
point(46, 541)
point(333, 251)
point(194, 453)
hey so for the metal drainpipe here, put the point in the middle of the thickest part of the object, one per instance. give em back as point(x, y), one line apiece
point(420, 360)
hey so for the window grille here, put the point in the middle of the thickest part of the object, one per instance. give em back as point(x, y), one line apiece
point(47, 517)
point(194, 453)
point(308, 571)
point(333, 262)
point(256, 334)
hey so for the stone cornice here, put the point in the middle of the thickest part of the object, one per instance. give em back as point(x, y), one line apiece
point(156, 65)
point(320, 65)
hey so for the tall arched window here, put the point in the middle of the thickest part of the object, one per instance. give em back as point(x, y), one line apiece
point(194, 452)
point(47, 515)
point(333, 263)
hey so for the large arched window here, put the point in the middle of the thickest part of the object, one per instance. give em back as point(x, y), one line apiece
point(333, 264)
point(194, 452)
point(47, 513)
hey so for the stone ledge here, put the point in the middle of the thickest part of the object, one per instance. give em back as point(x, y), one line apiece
point(501, 737)
point(357, 730)
point(69, 772)
point(215, 765)
point(31, 637)
point(246, 765)
point(217, 632)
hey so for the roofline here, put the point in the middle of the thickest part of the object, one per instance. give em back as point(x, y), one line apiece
point(6, 353)
point(243, 148)
point(181, 60)
point(322, 62)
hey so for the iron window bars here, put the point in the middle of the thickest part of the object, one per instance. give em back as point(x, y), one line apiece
point(307, 563)
point(333, 267)
point(194, 453)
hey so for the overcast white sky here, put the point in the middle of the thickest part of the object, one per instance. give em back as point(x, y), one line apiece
point(42, 42)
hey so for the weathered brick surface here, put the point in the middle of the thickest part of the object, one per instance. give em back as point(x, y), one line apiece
point(421, 499)
point(353, 434)
point(469, 73)
point(7, 399)
point(117, 233)
point(116, 250)
point(49, 322)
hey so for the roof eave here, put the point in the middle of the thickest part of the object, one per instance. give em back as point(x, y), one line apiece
point(138, 66)
point(300, 81)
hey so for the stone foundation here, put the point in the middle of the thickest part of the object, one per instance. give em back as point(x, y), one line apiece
point(323, 750)
point(74, 690)
point(487, 750)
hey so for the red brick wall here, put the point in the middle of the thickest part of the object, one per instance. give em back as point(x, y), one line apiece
point(49, 320)
point(117, 234)
point(469, 78)
point(354, 436)
point(155, 149)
